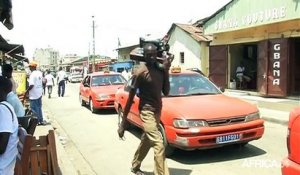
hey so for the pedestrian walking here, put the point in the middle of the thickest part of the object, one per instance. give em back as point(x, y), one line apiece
point(61, 82)
point(35, 92)
point(125, 74)
point(8, 130)
point(44, 81)
point(50, 82)
point(151, 81)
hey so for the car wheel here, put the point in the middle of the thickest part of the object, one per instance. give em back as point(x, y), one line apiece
point(242, 145)
point(169, 150)
point(82, 103)
point(92, 108)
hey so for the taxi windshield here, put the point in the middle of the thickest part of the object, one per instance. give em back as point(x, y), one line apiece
point(191, 84)
point(104, 80)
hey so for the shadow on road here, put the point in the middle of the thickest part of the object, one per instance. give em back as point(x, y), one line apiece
point(174, 171)
point(226, 153)
point(106, 112)
point(221, 154)
point(103, 111)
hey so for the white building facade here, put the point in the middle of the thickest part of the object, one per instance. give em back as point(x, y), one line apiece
point(46, 58)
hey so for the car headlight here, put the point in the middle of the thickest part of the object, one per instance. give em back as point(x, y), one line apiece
point(102, 97)
point(253, 116)
point(183, 123)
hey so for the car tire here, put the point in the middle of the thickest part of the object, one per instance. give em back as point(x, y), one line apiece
point(169, 150)
point(242, 145)
point(92, 108)
point(82, 103)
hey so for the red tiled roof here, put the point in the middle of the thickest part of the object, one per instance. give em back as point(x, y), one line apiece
point(195, 32)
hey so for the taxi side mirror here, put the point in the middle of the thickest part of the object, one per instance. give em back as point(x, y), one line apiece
point(86, 85)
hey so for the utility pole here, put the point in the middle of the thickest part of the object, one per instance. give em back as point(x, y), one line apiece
point(93, 65)
point(88, 60)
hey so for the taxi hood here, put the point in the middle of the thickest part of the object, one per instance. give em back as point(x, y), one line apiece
point(207, 106)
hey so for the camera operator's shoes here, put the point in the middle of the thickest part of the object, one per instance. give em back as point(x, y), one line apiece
point(137, 172)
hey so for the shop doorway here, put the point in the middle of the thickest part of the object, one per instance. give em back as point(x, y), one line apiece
point(294, 67)
point(243, 66)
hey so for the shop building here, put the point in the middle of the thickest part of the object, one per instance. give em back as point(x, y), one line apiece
point(264, 36)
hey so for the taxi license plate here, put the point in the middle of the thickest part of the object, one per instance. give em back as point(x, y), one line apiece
point(228, 138)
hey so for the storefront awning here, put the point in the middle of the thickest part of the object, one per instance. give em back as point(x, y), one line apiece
point(7, 48)
point(11, 48)
point(18, 58)
point(12, 51)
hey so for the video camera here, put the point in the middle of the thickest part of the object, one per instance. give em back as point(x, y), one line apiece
point(162, 50)
point(161, 45)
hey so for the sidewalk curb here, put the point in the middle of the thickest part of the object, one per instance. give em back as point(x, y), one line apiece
point(274, 120)
point(65, 164)
point(274, 110)
point(68, 156)
point(274, 116)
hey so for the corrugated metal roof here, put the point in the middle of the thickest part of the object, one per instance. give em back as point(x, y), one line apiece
point(128, 47)
point(217, 12)
point(193, 31)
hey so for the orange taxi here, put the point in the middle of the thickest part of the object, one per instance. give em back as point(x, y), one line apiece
point(197, 115)
point(98, 89)
point(291, 164)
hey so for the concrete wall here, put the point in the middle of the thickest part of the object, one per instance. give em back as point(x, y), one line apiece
point(180, 41)
point(124, 53)
point(204, 55)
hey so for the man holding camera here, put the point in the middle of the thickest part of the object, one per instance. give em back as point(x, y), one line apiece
point(150, 79)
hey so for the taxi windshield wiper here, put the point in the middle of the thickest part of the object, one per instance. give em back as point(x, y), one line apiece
point(175, 95)
point(117, 83)
point(202, 93)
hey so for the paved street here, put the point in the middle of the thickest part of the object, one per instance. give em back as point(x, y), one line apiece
point(91, 143)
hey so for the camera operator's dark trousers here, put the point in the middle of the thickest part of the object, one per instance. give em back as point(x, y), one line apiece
point(151, 138)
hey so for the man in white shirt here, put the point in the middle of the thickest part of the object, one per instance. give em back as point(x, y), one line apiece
point(50, 83)
point(35, 91)
point(61, 82)
point(125, 74)
point(8, 130)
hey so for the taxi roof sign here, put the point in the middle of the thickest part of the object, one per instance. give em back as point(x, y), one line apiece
point(175, 69)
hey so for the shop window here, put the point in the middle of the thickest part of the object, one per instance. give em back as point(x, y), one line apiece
point(182, 57)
